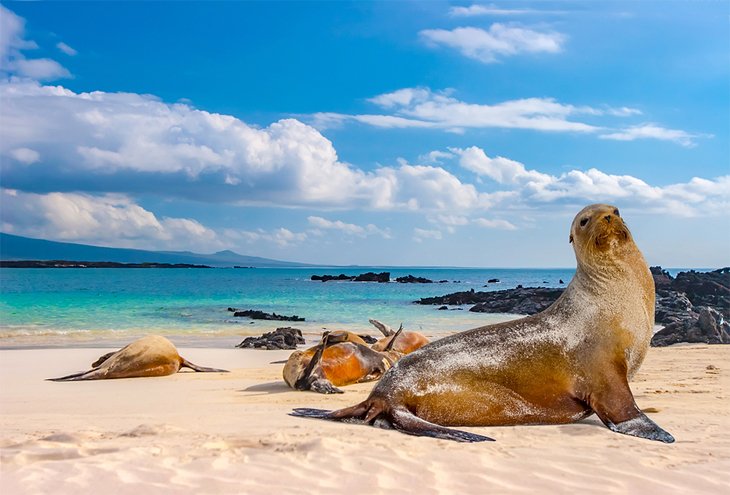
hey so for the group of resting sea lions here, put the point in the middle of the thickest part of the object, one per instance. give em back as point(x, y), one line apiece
point(572, 360)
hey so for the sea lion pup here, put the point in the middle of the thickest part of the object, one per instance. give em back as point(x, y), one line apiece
point(573, 359)
point(152, 355)
point(341, 358)
point(406, 342)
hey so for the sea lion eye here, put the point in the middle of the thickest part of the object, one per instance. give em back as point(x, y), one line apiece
point(615, 212)
point(583, 222)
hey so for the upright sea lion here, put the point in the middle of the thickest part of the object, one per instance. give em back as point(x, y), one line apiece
point(341, 358)
point(152, 355)
point(573, 359)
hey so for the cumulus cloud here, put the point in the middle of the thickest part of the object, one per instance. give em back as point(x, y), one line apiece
point(101, 220)
point(13, 44)
point(131, 143)
point(653, 131)
point(501, 40)
point(531, 187)
point(348, 228)
point(24, 155)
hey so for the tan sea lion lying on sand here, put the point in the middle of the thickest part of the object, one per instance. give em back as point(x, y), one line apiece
point(561, 365)
point(152, 355)
point(343, 358)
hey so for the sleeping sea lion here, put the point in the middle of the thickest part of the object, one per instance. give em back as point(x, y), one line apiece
point(152, 355)
point(341, 358)
point(561, 365)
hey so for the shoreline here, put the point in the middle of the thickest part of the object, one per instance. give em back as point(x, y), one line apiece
point(231, 433)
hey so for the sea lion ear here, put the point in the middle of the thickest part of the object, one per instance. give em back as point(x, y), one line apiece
point(570, 239)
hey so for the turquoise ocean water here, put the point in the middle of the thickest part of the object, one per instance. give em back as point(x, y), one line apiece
point(64, 307)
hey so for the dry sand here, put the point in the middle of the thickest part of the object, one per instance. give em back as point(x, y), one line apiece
point(230, 433)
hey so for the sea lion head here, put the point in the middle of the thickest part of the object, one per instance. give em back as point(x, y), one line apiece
point(598, 230)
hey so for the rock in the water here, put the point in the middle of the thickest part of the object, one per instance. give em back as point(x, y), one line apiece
point(521, 300)
point(410, 279)
point(493, 281)
point(327, 278)
point(281, 338)
point(373, 277)
point(710, 327)
point(255, 314)
point(443, 308)
point(518, 301)
point(364, 277)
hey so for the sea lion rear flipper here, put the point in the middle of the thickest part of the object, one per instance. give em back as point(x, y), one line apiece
point(311, 373)
point(614, 405)
point(95, 374)
point(184, 363)
point(402, 420)
point(406, 422)
point(392, 341)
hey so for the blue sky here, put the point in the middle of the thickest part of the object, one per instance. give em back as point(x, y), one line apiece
point(404, 133)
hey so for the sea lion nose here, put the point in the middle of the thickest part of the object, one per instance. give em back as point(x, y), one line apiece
point(608, 218)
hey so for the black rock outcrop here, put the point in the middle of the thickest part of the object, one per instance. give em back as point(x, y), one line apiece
point(281, 338)
point(709, 327)
point(410, 279)
point(255, 314)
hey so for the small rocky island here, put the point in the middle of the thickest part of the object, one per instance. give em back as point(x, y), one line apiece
point(255, 314)
point(382, 277)
point(693, 307)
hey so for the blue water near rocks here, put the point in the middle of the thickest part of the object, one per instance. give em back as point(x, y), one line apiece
point(89, 306)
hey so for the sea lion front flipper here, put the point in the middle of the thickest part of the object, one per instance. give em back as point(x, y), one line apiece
point(103, 358)
point(324, 386)
point(643, 427)
point(614, 405)
point(184, 363)
point(309, 375)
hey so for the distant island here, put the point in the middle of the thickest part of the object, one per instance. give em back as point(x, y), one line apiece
point(17, 248)
point(90, 264)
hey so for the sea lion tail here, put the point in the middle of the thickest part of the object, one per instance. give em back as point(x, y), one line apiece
point(184, 363)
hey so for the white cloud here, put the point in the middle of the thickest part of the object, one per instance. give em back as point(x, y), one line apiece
point(480, 10)
point(66, 49)
point(420, 234)
point(653, 131)
point(98, 138)
point(12, 45)
point(494, 224)
point(25, 155)
point(530, 188)
point(423, 108)
point(500, 40)
point(501, 170)
point(101, 220)
point(348, 228)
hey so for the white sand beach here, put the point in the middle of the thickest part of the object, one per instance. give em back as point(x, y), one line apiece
point(230, 433)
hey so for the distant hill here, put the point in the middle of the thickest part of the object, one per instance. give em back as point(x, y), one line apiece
point(13, 247)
